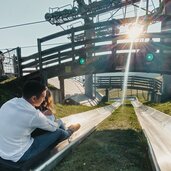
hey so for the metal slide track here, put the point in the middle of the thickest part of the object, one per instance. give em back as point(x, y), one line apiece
point(96, 116)
point(157, 129)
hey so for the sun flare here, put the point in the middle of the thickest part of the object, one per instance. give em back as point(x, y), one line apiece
point(134, 31)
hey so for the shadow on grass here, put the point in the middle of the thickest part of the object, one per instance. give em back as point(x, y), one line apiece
point(128, 105)
point(110, 150)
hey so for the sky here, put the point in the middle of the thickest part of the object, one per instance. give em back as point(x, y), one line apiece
point(15, 12)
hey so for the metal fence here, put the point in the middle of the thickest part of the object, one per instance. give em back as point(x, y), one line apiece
point(10, 62)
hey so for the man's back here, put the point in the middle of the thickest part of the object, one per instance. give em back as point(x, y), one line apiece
point(15, 128)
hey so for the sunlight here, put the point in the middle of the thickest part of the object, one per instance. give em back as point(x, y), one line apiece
point(129, 55)
point(134, 31)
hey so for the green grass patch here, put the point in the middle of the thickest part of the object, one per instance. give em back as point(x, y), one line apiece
point(117, 144)
point(66, 110)
point(163, 107)
point(10, 88)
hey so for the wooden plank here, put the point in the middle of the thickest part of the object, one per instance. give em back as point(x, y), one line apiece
point(141, 83)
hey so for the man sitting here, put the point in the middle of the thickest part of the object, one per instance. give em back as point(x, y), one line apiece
point(19, 118)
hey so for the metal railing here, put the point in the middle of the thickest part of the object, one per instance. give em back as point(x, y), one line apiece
point(11, 63)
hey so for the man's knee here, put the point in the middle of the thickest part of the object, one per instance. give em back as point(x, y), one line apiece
point(64, 134)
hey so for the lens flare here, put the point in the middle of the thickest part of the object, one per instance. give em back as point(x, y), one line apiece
point(134, 31)
point(129, 58)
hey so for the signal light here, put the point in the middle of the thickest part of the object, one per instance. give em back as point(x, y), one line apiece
point(149, 57)
point(82, 58)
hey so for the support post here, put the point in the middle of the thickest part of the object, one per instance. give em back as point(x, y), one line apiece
point(89, 78)
point(20, 73)
point(40, 55)
point(88, 35)
point(107, 95)
point(152, 97)
point(62, 88)
point(73, 47)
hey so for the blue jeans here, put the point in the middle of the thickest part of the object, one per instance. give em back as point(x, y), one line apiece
point(38, 132)
point(45, 141)
point(59, 121)
point(61, 124)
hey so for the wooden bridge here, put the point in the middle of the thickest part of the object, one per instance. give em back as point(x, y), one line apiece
point(105, 48)
point(106, 51)
point(152, 85)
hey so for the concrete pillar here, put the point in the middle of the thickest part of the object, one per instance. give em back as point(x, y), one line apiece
point(107, 94)
point(166, 89)
point(148, 96)
point(89, 85)
point(62, 88)
point(152, 96)
point(56, 93)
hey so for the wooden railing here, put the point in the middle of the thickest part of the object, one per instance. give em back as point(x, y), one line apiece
point(57, 57)
point(134, 82)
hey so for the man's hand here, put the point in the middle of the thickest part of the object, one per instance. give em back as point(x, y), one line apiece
point(47, 112)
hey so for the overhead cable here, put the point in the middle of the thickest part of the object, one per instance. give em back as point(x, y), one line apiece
point(24, 24)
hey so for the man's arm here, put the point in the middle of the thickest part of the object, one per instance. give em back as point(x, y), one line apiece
point(42, 122)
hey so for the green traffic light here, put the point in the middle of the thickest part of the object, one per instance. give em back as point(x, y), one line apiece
point(149, 57)
point(82, 61)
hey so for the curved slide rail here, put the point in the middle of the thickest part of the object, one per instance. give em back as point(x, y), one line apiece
point(157, 128)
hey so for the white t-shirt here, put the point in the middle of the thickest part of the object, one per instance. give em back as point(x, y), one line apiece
point(18, 119)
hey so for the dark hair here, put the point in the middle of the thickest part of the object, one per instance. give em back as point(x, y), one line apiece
point(33, 88)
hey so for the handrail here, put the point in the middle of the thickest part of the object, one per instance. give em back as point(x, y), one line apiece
point(48, 54)
point(134, 82)
point(57, 55)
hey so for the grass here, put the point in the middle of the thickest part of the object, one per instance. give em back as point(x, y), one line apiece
point(117, 144)
point(10, 88)
point(163, 107)
point(113, 93)
point(66, 110)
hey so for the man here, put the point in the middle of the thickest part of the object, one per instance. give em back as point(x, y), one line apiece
point(19, 118)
